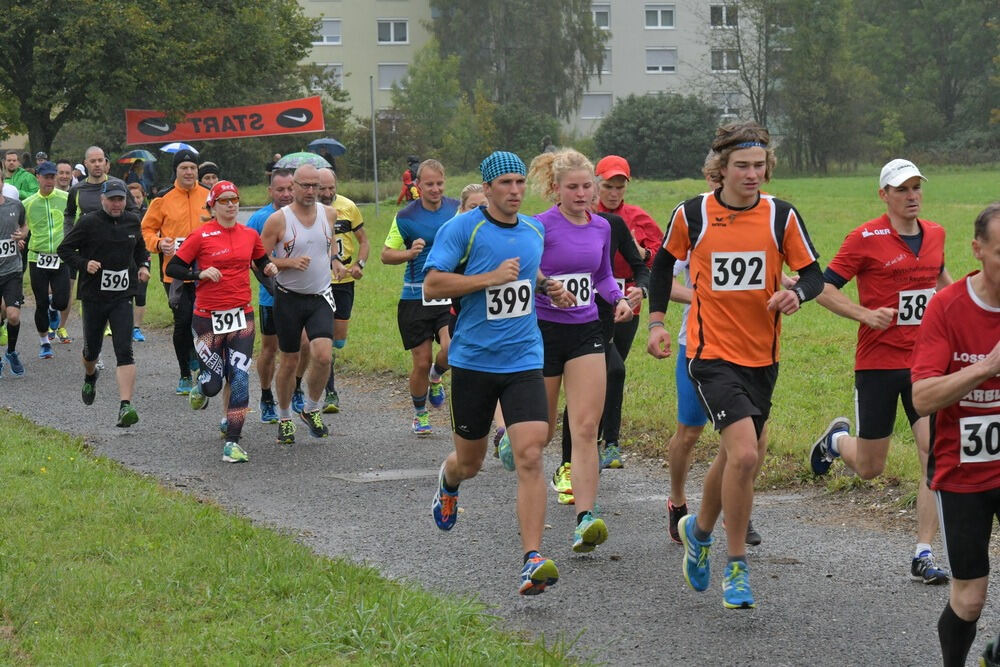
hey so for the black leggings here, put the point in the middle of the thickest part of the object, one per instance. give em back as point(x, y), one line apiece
point(140, 294)
point(226, 357)
point(42, 280)
point(96, 316)
point(183, 340)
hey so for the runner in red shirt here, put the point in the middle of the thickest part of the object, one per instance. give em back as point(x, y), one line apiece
point(898, 260)
point(218, 255)
point(956, 380)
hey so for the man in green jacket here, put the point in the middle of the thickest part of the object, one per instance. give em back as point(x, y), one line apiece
point(16, 175)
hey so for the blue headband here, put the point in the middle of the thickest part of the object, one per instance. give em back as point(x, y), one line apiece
point(751, 144)
point(499, 163)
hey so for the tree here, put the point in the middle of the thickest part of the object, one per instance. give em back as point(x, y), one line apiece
point(429, 96)
point(540, 54)
point(661, 136)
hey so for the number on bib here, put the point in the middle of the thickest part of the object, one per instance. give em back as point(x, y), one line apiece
point(114, 281)
point(226, 321)
point(738, 271)
point(579, 285)
point(621, 284)
point(509, 300)
point(328, 295)
point(340, 248)
point(979, 438)
point(912, 304)
point(433, 302)
point(8, 248)
point(178, 242)
point(48, 261)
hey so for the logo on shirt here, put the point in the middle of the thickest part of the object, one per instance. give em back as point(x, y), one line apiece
point(875, 232)
point(205, 235)
point(967, 357)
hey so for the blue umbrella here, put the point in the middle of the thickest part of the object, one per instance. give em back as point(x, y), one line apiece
point(178, 146)
point(327, 145)
point(295, 160)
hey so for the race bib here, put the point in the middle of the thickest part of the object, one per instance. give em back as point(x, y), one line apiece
point(114, 281)
point(178, 242)
point(979, 439)
point(227, 321)
point(48, 261)
point(912, 304)
point(432, 302)
point(8, 248)
point(509, 300)
point(579, 285)
point(621, 284)
point(738, 271)
point(328, 295)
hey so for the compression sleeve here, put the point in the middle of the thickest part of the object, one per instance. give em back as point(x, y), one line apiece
point(661, 280)
point(181, 270)
point(810, 283)
point(834, 278)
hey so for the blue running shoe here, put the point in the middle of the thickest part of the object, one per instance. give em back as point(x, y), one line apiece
point(589, 533)
point(821, 456)
point(268, 412)
point(696, 562)
point(16, 367)
point(194, 363)
point(45, 351)
point(924, 569)
point(137, 335)
point(611, 456)
point(224, 427)
point(444, 507)
point(436, 394)
point(422, 424)
point(537, 574)
point(505, 452)
point(53, 319)
point(298, 401)
point(184, 386)
point(736, 593)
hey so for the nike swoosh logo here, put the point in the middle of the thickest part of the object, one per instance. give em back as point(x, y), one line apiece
point(161, 128)
point(297, 119)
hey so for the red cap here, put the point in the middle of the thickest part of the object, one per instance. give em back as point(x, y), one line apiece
point(613, 165)
point(219, 189)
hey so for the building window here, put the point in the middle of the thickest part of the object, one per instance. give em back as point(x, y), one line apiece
point(723, 16)
point(602, 16)
point(595, 105)
point(605, 67)
point(393, 32)
point(660, 61)
point(329, 32)
point(659, 17)
point(725, 60)
point(390, 73)
point(333, 75)
point(727, 104)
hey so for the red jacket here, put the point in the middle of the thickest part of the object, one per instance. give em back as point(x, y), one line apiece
point(643, 228)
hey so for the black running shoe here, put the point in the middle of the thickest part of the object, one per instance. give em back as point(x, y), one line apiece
point(674, 514)
point(314, 420)
point(753, 537)
point(89, 390)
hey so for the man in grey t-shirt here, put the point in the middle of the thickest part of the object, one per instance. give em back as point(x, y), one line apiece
point(12, 232)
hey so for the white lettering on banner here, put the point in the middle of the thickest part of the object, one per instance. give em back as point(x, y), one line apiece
point(509, 300)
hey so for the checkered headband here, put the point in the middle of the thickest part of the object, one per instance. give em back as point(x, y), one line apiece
point(499, 163)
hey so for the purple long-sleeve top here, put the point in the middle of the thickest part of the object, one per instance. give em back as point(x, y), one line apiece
point(579, 256)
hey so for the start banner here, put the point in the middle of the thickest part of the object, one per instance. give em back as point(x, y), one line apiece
point(144, 126)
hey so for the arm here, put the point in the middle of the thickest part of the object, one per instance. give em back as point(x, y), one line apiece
point(809, 286)
point(395, 251)
point(69, 249)
point(141, 258)
point(152, 223)
point(836, 302)
point(681, 293)
point(944, 279)
point(364, 249)
point(442, 285)
point(661, 284)
point(933, 393)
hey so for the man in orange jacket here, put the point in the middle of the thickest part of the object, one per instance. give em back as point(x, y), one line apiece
point(171, 218)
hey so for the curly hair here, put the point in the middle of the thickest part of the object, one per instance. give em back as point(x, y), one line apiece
point(733, 137)
point(548, 169)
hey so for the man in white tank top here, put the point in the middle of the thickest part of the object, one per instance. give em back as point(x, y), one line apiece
point(301, 234)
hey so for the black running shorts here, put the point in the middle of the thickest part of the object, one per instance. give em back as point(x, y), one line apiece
point(418, 322)
point(564, 342)
point(265, 321)
point(730, 392)
point(294, 312)
point(474, 396)
point(876, 393)
point(966, 524)
point(343, 296)
point(12, 289)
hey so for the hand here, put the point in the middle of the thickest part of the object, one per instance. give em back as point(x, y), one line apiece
point(634, 296)
point(93, 266)
point(299, 263)
point(416, 247)
point(658, 343)
point(20, 244)
point(880, 318)
point(211, 273)
point(508, 271)
point(784, 301)
point(638, 246)
point(270, 270)
point(788, 282)
point(143, 274)
point(992, 360)
point(623, 311)
point(559, 295)
point(167, 246)
point(339, 271)
point(356, 271)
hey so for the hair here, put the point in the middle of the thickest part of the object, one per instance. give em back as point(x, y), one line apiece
point(137, 184)
point(93, 148)
point(65, 161)
point(548, 169)
point(280, 171)
point(983, 220)
point(9, 151)
point(430, 164)
point(728, 139)
point(467, 191)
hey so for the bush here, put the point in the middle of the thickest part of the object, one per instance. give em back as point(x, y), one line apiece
point(520, 129)
point(661, 136)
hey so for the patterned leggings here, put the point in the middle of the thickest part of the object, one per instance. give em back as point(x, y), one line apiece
point(226, 357)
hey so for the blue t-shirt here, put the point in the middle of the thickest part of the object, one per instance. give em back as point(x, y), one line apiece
point(415, 222)
point(496, 330)
point(256, 222)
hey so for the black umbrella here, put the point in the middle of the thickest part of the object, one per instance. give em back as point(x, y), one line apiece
point(327, 145)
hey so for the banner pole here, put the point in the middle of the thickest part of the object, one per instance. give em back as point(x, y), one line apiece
point(371, 94)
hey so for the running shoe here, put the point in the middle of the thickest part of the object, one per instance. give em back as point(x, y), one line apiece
point(496, 441)
point(194, 363)
point(611, 456)
point(51, 334)
point(422, 423)
point(53, 319)
point(505, 452)
point(444, 507)
point(89, 390)
point(331, 404)
point(286, 432)
point(224, 428)
point(753, 538)
point(100, 363)
point(923, 568)
point(3, 333)
point(184, 386)
point(16, 367)
point(298, 401)
point(991, 654)
point(107, 329)
point(127, 416)
point(821, 456)
point(736, 593)
point(268, 412)
point(674, 514)
point(590, 532)
point(314, 420)
point(197, 398)
point(561, 482)
point(45, 351)
point(63, 336)
point(696, 561)
point(436, 395)
point(137, 335)
point(233, 453)
point(537, 574)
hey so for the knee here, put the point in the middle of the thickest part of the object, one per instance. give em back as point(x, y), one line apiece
point(211, 384)
point(469, 468)
point(528, 459)
point(869, 469)
point(421, 365)
point(743, 459)
point(321, 356)
point(13, 316)
point(968, 602)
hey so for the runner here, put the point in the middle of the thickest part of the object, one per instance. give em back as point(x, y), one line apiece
point(106, 248)
point(736, 263)
point(489, 258)
point(422, 320)
point(223, 320)
point(137, 192)
point(12, 232)
point(303, 299)
point(280, 192)
point(956, 378)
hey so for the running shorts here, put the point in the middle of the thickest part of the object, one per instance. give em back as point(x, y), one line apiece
point(730, 392)
point(690, 410)
point(966, 524)
point(343, 296)
point(876, 393)
point(294, 312)
point(265, 316)
point(418, 322)
point(12, 289)
point(474, 396)
point(564, 342)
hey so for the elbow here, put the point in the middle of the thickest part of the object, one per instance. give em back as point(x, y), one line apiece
point(432, 290)
point(921, 400)
point(383, 256)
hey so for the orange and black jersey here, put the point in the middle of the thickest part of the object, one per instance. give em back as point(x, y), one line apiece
point(736, 258)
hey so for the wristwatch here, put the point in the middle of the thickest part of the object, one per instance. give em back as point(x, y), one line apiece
point(361, 263)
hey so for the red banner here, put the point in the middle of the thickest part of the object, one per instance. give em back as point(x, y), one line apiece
point(144, 126)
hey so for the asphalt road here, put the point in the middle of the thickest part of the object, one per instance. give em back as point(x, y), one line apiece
point(832, 590)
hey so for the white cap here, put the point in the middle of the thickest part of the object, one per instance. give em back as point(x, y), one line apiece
point(898, 171)
point(80, 169)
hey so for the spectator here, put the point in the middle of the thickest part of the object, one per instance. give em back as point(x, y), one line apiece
point(208, 174)
point(269, 167)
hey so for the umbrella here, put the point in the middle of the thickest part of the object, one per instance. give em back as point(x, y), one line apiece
point(178, 146)
point(138, 154)
point(328, 145)
point(294, 160)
